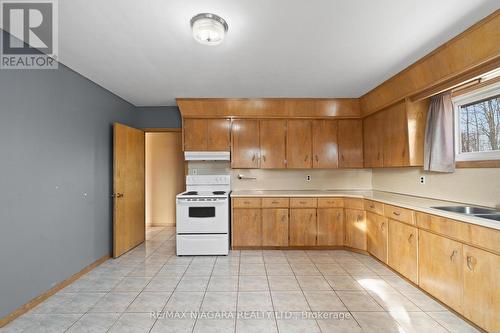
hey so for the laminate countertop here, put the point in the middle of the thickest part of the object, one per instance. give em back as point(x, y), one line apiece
point(406, 201)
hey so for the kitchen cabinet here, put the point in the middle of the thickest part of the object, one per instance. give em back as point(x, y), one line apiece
point(481, 301)
point(350, 141)
point(273, 144)
point(275, 227)
point(299, 144)
point(247, 227)
point(324, 143)
point(303, 227)
point(395, 136)
point(376, 230)
point(330, 226)
point(402, 249)
point(246, 144)
point(373, 143)
point(441, 268)
point(355, 229)
point(207, 134)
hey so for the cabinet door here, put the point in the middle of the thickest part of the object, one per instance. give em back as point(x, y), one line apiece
point(195, 134)
point(303, 227)
point(376, 227)
point(350, 138)
point(395, 136)
point(247, 227)
point(218, 134)
point(299, 144)
point(330, 226)
point(273, 144)
point(246, 146)
point(325, 147)
point(373, 141)
point(275, 227)
point(402, 249)
point(355, 229)
point(441, 268)
point(482, 288)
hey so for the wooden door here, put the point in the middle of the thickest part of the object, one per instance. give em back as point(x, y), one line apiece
point(350, 139)
point(299, 144)
point(303, 228)
point(330, 226)
point(355, 229)
point(273, 144)
point(195, 134)
point(482, 288)
point(441, 268)
point(376, 227)
point(395, 136)
point(325, 147)
point(373, 141)
point(246, 144)
point(275, 227)
point(402, 249)
point(129, 225)
point(218, 134)
point(247, 227)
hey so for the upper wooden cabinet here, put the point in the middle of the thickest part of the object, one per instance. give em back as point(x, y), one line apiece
point(394, 137)
point(245, 151)
point(299, 144)
point(325, 147)
point(350, 142)
point(273, 144)
point(207, 134)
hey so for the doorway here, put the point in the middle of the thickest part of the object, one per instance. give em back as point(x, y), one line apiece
point(165, 173)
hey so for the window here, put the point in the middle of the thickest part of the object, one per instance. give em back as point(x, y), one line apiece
point(477, 124)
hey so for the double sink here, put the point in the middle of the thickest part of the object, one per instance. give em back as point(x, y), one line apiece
point(485, 213)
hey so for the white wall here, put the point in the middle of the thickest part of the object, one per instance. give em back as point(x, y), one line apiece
point(473, 186)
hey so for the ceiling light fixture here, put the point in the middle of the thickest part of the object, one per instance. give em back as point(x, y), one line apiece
point(209, 29)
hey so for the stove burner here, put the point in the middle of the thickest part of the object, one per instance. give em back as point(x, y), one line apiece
point(191, 193)
point(219, 192)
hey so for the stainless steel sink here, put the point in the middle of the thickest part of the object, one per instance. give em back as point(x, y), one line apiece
point(468, 210)
point(495, 217)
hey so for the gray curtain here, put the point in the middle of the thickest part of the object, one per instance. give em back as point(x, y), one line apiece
point(439, 149)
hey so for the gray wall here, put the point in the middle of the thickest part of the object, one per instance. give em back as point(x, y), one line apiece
point(55, 178)
point(156, 117)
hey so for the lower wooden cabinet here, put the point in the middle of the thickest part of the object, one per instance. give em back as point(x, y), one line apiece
point(247, 227)
point(303, 227)
point(441, 268)
point(376, 230)
point(481, 303)
point(355, 229)
point(402, 249)
point(275, 227)
point(330, 226)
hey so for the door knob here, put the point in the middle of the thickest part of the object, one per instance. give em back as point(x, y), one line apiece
point(117, 195)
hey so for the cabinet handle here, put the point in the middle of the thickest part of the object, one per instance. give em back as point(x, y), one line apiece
point(317, 159)
point(283, 218)
point(264, 158)
point(307, 158)
point(396, 213)
point(372, 206)
point(410, 238)
point(382, 226)
point(470, 264)
point(274, 202)
point(302, 202)
point(453, 255)
point(246, 202)
point(253, 158)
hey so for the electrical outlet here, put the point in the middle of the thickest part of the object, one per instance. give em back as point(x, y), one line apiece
point(308, 178)
point(422, 180)
point(194, 171)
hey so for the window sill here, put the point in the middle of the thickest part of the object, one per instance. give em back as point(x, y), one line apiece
point(478, 164)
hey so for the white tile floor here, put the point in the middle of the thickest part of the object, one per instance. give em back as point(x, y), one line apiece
point(248, 291)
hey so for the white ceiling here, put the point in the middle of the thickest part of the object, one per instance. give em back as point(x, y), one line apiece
point(143, 50)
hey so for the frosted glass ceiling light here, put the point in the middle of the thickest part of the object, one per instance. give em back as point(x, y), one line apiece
point(209, 29)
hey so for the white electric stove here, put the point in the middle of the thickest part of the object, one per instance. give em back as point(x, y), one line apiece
point(203, 216)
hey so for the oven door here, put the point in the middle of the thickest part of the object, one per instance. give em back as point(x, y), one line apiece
point(202, 217)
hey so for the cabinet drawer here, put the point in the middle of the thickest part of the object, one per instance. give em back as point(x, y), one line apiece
point(275, 202)
point(354, 203)
point(330, 202)
point(400, 214)
point(246, 203)
point(374, 207)
point(303, 202)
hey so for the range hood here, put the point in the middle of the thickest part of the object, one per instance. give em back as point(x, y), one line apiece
point(207, 156)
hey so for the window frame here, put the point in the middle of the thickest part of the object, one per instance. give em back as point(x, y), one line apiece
point(470, 98)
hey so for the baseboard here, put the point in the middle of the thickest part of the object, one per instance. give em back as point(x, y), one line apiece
point(39, 299)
